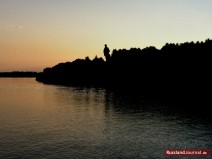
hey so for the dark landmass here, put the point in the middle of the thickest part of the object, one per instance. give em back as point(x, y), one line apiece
point(18, 74)
point(182, 71)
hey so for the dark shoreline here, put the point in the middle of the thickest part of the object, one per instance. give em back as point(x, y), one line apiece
point(185, 66)
point(177, 72)
point(18, 74)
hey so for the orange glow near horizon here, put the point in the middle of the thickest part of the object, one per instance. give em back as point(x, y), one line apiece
point(39, 34)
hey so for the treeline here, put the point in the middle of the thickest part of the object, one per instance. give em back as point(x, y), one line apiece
point(18, 74)
point(183, 68)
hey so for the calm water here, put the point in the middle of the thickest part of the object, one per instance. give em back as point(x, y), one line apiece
point(40, 121)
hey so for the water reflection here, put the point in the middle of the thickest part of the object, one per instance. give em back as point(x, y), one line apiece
point(134, 125)
point(46, 121)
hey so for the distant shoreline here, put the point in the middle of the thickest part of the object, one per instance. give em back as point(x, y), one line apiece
point(18, 74)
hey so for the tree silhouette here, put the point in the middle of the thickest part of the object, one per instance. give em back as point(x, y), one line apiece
point(183, 68)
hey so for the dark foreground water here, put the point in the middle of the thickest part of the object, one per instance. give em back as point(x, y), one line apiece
point(40, 121)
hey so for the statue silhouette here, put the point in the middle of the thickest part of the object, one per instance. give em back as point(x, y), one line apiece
point(107, 53)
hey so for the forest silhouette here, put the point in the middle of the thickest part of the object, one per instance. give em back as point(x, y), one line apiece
point(175, 69)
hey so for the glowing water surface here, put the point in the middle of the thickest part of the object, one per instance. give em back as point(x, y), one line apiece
point(40, 121)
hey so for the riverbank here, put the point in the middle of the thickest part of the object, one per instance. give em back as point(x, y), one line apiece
point(17, 74)
point(176, 71)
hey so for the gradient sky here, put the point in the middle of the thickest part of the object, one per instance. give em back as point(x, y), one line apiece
point(35, 34)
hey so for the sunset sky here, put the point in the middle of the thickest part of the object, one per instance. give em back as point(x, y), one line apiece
point(35, 34)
